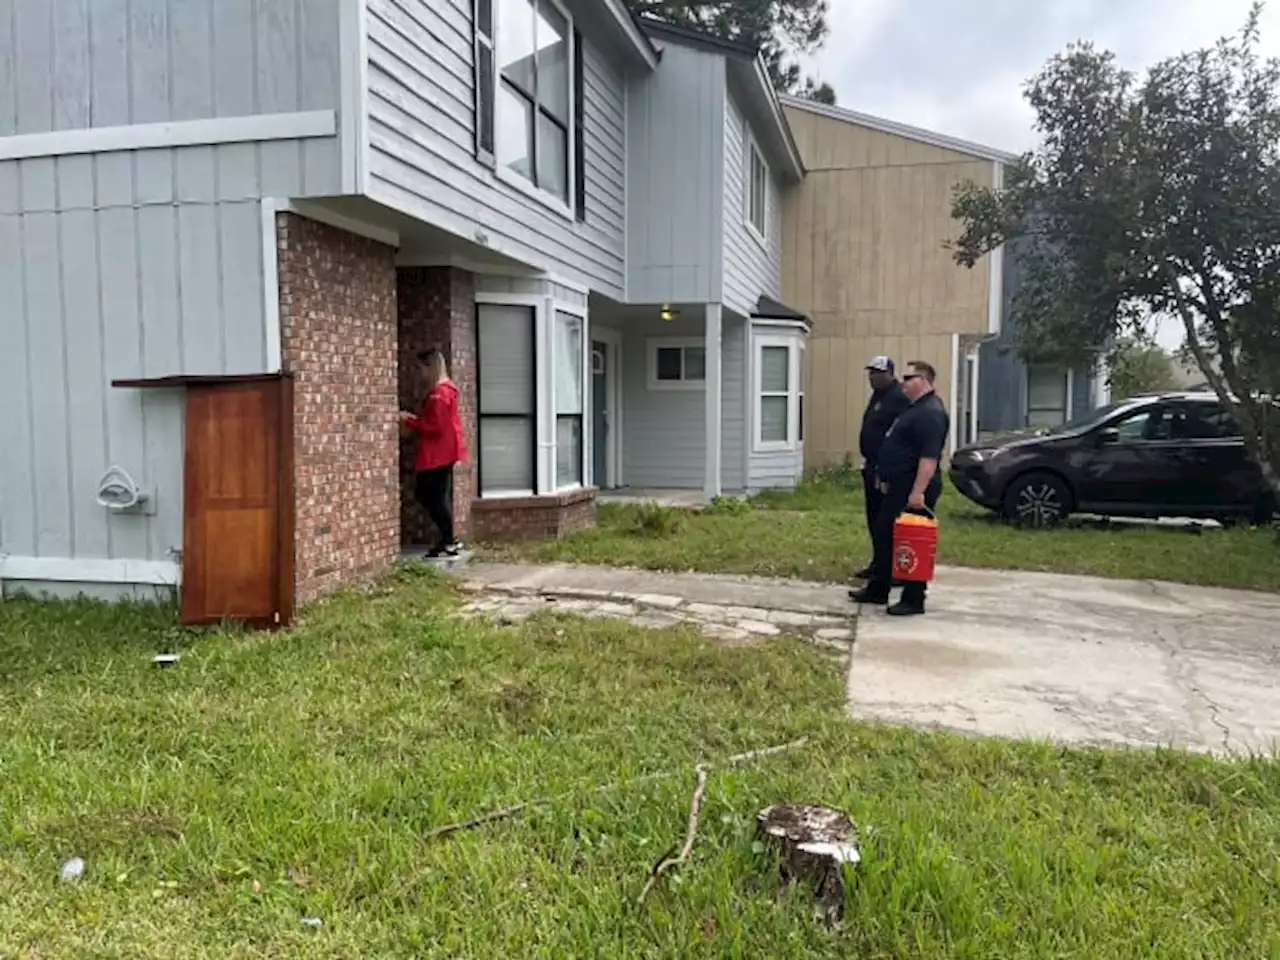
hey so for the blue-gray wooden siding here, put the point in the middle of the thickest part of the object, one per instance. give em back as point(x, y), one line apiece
point(1002, 374)
point(771, 469)
point(422, 147)
point(675, 179)
point(750, 267)
point(143, 263)
point(72, 64)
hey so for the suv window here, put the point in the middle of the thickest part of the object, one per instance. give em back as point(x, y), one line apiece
point(1146, 425)
point(1209, 421)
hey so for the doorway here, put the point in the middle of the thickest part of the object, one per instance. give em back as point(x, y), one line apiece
point(606, 407)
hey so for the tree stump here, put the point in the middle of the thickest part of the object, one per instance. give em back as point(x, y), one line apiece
point(813, 844)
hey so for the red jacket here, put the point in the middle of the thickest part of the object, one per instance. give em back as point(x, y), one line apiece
point(439, 429)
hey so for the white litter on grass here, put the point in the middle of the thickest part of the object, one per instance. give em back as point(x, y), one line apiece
point(72, 870)
point(839, 852)
point(166, 659)
point(315, 923)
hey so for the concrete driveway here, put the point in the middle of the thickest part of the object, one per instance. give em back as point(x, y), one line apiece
point(1077, 659)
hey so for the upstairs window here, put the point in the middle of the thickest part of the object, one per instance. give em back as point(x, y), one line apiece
point(757, 192)
point(482, 20)
point(534, 93)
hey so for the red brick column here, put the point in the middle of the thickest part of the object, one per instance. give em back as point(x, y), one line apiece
point(338, 331)
point(437, 309)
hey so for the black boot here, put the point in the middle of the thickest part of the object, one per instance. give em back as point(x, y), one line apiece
point(904, 609)
point(872, 593)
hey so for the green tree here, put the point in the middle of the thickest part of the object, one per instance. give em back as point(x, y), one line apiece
point(781, 29)
point(1138, 367)
point(1158, 197)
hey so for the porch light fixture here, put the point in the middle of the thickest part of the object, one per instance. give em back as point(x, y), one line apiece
point(668, 312)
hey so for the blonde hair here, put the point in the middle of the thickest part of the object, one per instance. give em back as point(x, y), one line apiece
point(436, 364)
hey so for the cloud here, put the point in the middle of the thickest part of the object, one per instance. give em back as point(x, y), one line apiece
point(958, 66)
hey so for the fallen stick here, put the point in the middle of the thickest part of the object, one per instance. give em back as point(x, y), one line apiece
point(666, 863)
point(504, 813)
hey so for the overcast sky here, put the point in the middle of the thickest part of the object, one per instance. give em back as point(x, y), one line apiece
point(958, 66)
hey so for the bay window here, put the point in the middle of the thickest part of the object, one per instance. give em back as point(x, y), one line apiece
point(531, 367)
point(567, 348)
point(779, 397)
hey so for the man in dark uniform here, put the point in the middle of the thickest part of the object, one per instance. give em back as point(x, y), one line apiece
point(907, 470)
point(886, 405)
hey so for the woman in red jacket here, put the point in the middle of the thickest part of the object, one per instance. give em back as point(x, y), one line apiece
point(440, 446)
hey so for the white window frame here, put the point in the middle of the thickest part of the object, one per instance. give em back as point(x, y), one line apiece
point(1065, 376)
point(561, 207)
point(794, 347)
point(584, 376)
point(545, 309)
point(536, 304)
point(653, 344)
point(751, 154)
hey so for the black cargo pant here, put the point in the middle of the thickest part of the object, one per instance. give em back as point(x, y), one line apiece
point(892, 505)
point(434, 490)
point(872, 496)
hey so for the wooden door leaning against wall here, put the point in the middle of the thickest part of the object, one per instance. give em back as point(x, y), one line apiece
point(237, 540)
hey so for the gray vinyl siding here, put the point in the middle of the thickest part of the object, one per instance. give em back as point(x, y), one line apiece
point(100, 294)
point(121, 62)
point(663, 431)
point(750, 268)
point(776, 470)
point(733, 424)
point(675, 179)
point(422, 147)
point(101, 592)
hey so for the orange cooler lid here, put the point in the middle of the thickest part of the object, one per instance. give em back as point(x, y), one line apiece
point(915, 520)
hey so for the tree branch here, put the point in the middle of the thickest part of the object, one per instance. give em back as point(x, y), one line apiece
point(504, 813)
point(691, 831)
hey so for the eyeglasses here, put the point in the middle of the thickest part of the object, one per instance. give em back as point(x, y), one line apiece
point(908, 377)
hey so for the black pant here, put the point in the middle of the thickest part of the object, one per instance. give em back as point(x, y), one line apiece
point(434, 490)
point(873, 497)
point(893, 505)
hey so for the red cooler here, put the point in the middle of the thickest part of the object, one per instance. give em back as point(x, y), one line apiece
point(915, 547)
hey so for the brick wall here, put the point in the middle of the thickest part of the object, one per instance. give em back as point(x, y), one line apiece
point(338, 327)
point(437, 309)
point(547, 517)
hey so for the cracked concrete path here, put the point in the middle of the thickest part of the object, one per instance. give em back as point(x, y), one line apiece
point(1077, 660)
point(739, 609)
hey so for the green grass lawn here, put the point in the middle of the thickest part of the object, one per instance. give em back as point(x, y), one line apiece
point(818, 533)
point(270, 778)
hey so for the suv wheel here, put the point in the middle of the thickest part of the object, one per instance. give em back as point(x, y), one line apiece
point(1037, 500)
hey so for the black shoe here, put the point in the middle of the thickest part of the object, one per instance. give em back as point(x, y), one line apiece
point(904, 609)
point(867, 595)
point(453, 549)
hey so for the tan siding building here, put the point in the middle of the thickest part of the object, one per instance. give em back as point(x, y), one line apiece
point(864, 256)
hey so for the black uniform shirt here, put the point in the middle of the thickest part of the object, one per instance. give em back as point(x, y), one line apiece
point(919, 434)
point(885, 407)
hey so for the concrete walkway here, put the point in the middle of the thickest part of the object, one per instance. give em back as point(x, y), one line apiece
point(1078, 660)
point(1042, 656)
